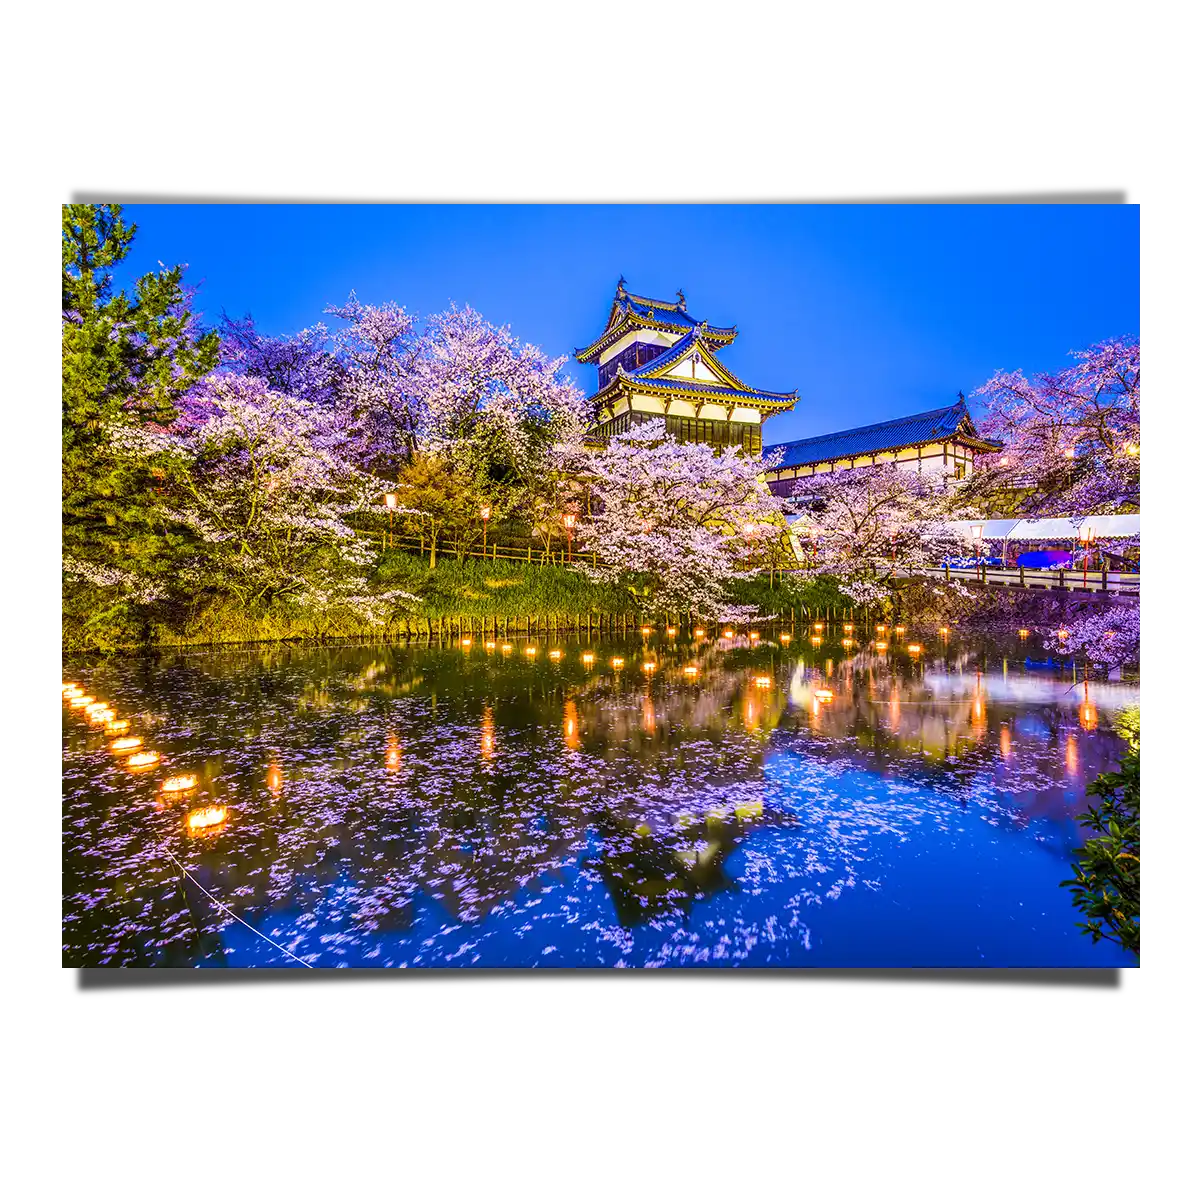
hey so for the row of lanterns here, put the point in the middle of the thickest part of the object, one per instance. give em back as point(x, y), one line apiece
point(140, 759)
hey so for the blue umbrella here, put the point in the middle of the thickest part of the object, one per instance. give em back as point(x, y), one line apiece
point(1041, 559)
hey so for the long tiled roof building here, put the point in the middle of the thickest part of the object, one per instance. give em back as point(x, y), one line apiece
point(942, 440)
point(655, 360)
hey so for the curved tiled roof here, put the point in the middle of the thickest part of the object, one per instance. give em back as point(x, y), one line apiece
point(717, 392)
point(938, 424)
point(669, 314)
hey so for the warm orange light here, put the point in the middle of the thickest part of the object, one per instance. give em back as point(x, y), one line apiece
point(698, 631)
point(914, 647)
point(94, 705)
point(570, 725)
point(72, 689)
point(881, 645)
point(901, 628)
point(274, 779)
point(785, 638)
point(847, 642)
point(1005, 741)
point(1062, 633)
point(880, 628)
point(647, 630)
point(485, 511)
point(531, 650)
point(649, 666)
point(818, 626)
point(487, 733)
point(1072, 755)
point(465, 643)
point(728, 633)
point(691, 671)
point(847, 628)
point(671, 631)
point(100, 716)
point(588, 659)
point(1023, 633)
point(392, 755)
point(618, 663)
point(944, 631)
point(179, 783)
point(201, 819)
point(78, 701)
point(823, 694)
point(1088, 717)
point(117, 726)
point(505, 648)
point(143, 758)
point(489, 645)
point(1132, 449)
point(755, 635)
point(816, 641)
point(556, 654)
point(762, 681)
point(125, 744)
point(390, 500)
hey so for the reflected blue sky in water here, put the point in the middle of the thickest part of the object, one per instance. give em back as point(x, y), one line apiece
point(438, 806)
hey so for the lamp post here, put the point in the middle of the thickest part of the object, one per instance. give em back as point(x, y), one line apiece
point(390, 501)
point(977, 534)
point(1087, 535)
point(485, 512)
point(569, 524)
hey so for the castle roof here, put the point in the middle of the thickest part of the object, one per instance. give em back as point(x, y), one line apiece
point(936, 425)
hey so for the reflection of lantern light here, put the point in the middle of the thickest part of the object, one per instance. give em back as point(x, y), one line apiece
point(179, 783)
point(816, 641)
point(571, 725)
point(487, 734)
point(881, 645)
point(101, 716)
point(200, 819)
point(71, 689)
point(556, 654)
point(901, 628)
point(1088, 716)
point(1072, 755)
point(762, 681)
point(1005, 741)
point(588, 658)
point(692, 671)
point(466, 642)
point(671, 631)
point(78, 701)
point(829, 667)
point(823, 694)
point(391, 757)
point(505, 648)
point(945, 629)
point(880, 628)
point(143, 758)
point(648, 666)
point(648, 719)
point(785, 638)
point(647, 630)
point(125, 744)
point(118, 726)
point(847, 642)
point(489, 645)
point(618, 663)
point(914, 647)
point(531, 650)
point(95, 706)
point(274, 779)
point(1022, 633)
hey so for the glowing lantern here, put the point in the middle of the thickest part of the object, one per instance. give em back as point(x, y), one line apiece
point(125, 744)
point(762, 681)
point(847, 628)
point(618, 663)
point(881, 645)
point(944, 631)
point(914, 648)
point(531, 650)
point(1088, 717)
point(823, 694)
point(816, 641)
point(489, 645)
point(466, 642)
point(649, 666)
point(818, 626)
point(785, 638)
point(94, 705)
point(201, 819)
point(1004, 460)
point(71, 689)
point(505, 648)
point(178, 783)
point(142, 759)
point(755, 636)
point(881, 629)
point(671, 631)
point(117, 726)
point(1062, 633)
point(728, 633)
point(901, 628)
point(81, 701)
point(556, 654)
point(647, 630)
point(390, 499)
point(698, 631)
point(691, 671)
point(1132, 449)
point(588, 658)
point(274, 779)
point(1023, 633)
point(847, 642)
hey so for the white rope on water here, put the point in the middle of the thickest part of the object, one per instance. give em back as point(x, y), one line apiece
point(225, 907)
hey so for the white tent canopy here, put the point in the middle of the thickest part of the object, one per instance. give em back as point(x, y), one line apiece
point(1055, 529)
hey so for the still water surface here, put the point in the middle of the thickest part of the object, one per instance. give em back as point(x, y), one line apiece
point(770, 803)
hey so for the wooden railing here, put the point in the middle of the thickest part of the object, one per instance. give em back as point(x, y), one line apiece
point(1115, 582)
point(537, 555)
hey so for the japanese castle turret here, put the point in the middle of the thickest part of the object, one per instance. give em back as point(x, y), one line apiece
point(658, 361)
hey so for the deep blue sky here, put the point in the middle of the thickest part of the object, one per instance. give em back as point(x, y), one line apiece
point(872, 311)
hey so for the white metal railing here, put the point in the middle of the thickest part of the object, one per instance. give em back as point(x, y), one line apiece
point(1118, 582)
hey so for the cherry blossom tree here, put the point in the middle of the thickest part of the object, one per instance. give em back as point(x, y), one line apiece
point(874, 527)
point(669, 520)
point(1110, 637)
point(1071, 439)
point(256, 486)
